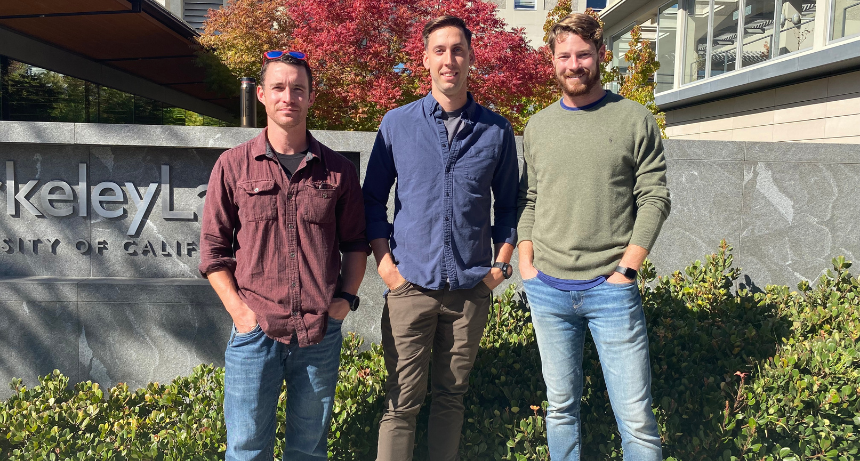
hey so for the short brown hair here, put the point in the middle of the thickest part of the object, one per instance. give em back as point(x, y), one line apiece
point(446, 21)
point(581, 24)
point(287, 59)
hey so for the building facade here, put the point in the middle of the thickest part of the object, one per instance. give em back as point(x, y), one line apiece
point(56, 65)
point(750, 70)
point(192, 11)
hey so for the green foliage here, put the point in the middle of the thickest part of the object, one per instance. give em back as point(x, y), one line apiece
point(737, 375)
point(180, 421)
point(637, 84)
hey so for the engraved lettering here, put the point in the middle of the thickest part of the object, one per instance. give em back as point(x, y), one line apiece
point(98, 198)
point(11, 207)
point(83, 246)
point(201, 192)
point(165, 249)
point(129, 247)
point(82, 189)
point(35, 243)
point(48, 197)
point(101, 246)
point(190, 247)
point(167, 211)
point(142, 205)
point(7, 246)
point(148, 249)
point(54, 243)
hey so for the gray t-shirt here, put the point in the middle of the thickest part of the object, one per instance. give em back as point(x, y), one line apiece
point(453, 122)
point(291, 162)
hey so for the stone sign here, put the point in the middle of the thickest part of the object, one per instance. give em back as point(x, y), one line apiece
point(103, 211)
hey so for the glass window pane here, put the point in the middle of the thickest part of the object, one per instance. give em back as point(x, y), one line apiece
point(696, 40)
point(758, 31)
point(620, 45)
point(173, 115)
point(724, 55)
point(524, 4)
point(797, 24)
point(115, 106)
point(596, 5)
point(846, 18)
point(36, 94)
point(147, 111)
point(667, 26)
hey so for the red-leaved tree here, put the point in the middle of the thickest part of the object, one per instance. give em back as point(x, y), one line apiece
point(367, 54)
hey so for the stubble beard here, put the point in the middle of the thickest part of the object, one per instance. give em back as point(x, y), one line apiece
point(290, 122)
point(592, 79)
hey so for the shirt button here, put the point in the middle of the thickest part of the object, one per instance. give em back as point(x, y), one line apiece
point(325, 195)
point(446, 218)
point(296, 314)
point(256, 189)
point(289, 196)
point(292, 255)
point(293, 284)
point(290, 226)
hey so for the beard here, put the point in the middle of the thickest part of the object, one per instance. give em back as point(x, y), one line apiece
point(588, 79)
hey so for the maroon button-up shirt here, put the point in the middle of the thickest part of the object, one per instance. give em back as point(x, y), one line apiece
point(281, 237)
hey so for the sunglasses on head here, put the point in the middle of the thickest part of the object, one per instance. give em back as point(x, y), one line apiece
point(277, 54)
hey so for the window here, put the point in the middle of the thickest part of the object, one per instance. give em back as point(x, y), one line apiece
point(525, 5)
point(796, 22)
point(667, 28)
point(595, 5)
point(29, 93)
point(846, 18)
point(725, 37)
point(620, 45)
point(757, 31)
point(696, 41)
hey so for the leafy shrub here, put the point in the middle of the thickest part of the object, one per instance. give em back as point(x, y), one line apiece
point(737, 375)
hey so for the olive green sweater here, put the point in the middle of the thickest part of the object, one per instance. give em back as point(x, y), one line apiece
point(593, 182)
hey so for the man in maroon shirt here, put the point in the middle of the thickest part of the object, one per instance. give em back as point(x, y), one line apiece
point(280, 210)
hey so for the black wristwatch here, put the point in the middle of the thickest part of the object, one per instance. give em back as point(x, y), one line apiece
point(506, 268)
point(353, 300)
point(627, 272)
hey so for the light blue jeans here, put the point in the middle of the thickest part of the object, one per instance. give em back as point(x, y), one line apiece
point(256, 367)
point(614, 315)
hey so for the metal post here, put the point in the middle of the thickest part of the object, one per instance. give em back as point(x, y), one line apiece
point(248, 102)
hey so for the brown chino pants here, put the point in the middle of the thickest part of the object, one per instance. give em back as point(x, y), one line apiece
point(417, 322)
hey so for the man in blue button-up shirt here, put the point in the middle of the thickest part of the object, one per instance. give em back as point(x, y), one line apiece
point(448, 154)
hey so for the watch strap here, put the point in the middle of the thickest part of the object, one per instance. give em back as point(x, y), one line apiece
point(504, 267)
point(350, 298)
point(627, 272)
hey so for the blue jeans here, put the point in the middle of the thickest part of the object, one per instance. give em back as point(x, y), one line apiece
point(256, 367)
point(613, 313)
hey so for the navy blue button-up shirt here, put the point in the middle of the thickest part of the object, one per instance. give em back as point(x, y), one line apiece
point(442, 198)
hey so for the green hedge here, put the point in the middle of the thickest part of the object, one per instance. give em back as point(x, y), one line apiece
point(770, 375)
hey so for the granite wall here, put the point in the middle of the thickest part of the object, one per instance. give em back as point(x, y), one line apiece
point(104, 287)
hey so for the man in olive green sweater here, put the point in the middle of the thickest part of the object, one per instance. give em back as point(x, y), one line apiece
point(593, 197)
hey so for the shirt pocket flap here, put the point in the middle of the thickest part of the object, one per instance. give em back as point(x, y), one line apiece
point(322, 189)
point(257, 186)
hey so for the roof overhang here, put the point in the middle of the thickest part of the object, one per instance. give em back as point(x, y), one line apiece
point(617, 12)
point(135, 46)
point(794, 68)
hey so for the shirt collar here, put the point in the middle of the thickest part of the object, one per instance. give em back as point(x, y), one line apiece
point(432, 107)
point(267, 151)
